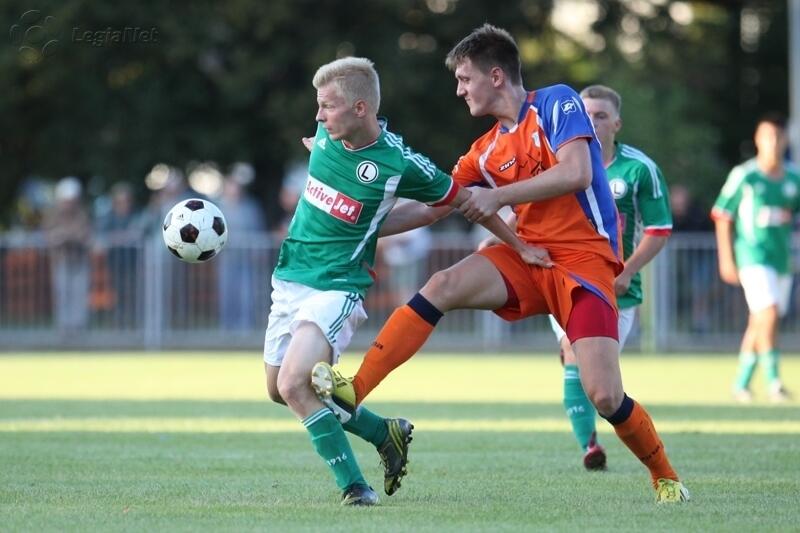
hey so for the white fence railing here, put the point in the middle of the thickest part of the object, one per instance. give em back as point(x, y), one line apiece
point(136, 295)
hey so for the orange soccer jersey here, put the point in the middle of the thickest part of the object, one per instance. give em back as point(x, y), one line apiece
point(580, 230)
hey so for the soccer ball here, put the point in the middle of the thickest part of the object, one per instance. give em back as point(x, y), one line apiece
point(195, 230)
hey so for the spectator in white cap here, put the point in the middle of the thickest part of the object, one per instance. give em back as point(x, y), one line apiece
point(68, 232)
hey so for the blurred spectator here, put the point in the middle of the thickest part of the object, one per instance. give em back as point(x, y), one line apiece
point(25, 286)
point(119, 232)
point(237, 281)
point(696, 264)
point(687, 215)
point(292, 187)
point(31, 202)
point(405, 254)
point(168, 188)
point(68, 232)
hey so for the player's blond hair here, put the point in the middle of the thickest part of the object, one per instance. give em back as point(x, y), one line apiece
point(355, 79)
point(601, 92)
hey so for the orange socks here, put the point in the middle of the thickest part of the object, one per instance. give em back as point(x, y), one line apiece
point(639, 435)
point(400, 338)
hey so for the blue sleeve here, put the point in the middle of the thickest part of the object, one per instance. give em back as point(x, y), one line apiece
point(563, 116)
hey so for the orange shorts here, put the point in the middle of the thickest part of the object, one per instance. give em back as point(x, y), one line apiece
point(549, 290)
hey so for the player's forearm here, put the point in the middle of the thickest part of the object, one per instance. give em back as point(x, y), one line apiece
point(647, 249)
point(501, 230)
point(510, 219)
point(572, 173)
point(556, 181)
point(724, 234)
point(408, 215)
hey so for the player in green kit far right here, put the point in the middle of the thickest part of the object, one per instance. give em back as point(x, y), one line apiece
point(761, 198)
point(357, 171)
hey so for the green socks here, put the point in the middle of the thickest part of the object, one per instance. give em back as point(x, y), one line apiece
point(769, 363)
point(332, 445)
point(580, 410)
point(367, 425)
point(747, 365)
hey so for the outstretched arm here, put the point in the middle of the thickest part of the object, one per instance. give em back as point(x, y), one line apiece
point(410, 214)
point(532, 255)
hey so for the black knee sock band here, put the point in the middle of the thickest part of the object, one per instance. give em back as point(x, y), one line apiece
point(425, 309)
point(623, 413)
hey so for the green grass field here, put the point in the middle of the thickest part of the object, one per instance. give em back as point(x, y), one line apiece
point(188, 442)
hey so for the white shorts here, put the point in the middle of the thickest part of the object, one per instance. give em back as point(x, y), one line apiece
point(626, 318)
point(764, 287)
point(337, 313)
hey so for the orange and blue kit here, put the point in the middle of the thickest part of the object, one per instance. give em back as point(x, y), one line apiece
point(580, 230)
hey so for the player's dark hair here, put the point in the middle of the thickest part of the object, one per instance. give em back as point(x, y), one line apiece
point(488, 47)
point(775, 118)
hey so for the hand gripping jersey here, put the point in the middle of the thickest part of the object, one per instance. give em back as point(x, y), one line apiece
point(348, 193)
point(568, 225)
point(640, 193)
point(763, 209)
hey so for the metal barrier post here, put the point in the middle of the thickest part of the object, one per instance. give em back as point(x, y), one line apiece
point(154, 293)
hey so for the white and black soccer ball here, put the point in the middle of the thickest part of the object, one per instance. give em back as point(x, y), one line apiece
point(195, 230)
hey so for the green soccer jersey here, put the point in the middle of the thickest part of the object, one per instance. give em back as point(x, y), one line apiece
point(763, 209)
point(348, 193)
point(640, 193)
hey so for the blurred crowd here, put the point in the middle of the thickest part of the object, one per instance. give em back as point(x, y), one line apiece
point(94, 240)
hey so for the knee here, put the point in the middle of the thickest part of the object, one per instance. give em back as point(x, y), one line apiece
point(442, 289)
point(606, 400)
point(274, 395)
point(290, 391)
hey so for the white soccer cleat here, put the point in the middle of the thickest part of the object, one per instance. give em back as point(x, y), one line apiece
point(332, 390)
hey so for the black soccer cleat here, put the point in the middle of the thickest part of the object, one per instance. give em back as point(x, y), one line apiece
point(361, 495)
point(394, 453)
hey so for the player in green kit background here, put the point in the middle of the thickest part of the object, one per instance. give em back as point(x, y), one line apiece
point(357, 171)
point(760, 199)
point(640, 194)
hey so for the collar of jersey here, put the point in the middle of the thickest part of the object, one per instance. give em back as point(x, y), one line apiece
point(523, 111)
point(383, 123)
point(613, 159)
point(767, 177)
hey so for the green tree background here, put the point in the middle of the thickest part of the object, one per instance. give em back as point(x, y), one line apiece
point(229, 81)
